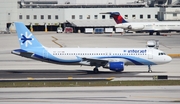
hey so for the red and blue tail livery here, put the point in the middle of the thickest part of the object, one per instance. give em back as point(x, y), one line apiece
point(117, 17)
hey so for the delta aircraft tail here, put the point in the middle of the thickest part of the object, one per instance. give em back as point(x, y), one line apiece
point(117, 17)
point(26, 39)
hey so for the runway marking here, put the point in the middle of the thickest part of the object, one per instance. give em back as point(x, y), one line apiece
point(165, 46)
point(110, 78)
point(70, 78)
point(55, 39)
point(174, 55)
point(30, 78)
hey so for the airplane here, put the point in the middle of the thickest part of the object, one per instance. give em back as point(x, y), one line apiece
point(150, 27)
point(113, 59)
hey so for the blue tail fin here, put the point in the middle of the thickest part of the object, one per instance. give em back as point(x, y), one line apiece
point(25, 37)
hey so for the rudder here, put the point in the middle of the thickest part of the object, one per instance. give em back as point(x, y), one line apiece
point(25, 37)
point(117, 17)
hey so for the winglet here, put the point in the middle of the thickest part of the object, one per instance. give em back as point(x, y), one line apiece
point(117, 17)
point(25, 37)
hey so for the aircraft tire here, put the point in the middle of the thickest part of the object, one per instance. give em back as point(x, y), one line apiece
point(150, 33)
point(95, 70)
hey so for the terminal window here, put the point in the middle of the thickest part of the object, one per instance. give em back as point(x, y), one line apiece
point(148, 16)
point(103, 16)
point(134, 16)
point(35, 16)
point(156, 16)
point(141, 16)
point(56, 16)
point(49, 16)
point(42, 16)
point(126, 16)
point(80, 17)
point(174, 14)
point(20, 16)
point(95, 16)
point(27, 17)
point(110, 17)
point(88, 16)
point(73, 16)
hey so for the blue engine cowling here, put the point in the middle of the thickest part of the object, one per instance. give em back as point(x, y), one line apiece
point(116, 66)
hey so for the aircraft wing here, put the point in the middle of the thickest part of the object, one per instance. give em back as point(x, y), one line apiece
point(95, 61)
point(101, 62)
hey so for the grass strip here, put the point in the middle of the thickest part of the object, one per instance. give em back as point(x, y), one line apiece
point(88, 83)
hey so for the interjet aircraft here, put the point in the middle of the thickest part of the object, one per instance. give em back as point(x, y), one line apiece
point(149, 27)
point(111, 58)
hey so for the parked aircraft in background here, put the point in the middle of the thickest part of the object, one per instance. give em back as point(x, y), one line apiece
point(151, 27)
point(111, 58)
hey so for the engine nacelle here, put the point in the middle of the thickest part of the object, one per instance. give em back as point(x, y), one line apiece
point(133, 27)
point(115, 66)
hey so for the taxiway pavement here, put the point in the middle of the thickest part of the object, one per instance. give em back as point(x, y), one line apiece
point(12, 66)
point(92, 95)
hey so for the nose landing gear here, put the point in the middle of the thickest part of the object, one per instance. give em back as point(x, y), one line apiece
point(149, 69)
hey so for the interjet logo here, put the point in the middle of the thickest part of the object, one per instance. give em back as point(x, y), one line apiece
point(26, 39)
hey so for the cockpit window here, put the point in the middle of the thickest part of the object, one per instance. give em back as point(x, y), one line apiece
point(162, 53)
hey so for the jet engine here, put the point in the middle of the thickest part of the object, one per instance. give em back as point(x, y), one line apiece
point(133, 27)
point(115, 66)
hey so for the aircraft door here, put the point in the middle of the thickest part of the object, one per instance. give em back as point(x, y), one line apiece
point(45, 54)
point(150, 53)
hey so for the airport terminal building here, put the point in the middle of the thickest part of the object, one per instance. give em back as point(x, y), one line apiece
point(48, 15)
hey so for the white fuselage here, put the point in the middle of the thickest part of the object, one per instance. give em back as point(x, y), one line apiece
point(150, 26)
point(111, 58)
point(130, 56)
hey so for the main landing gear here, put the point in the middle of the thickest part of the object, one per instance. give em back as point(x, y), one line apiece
point(95, 70)
point(157, 33)
point(150, 33)
point(149, 69)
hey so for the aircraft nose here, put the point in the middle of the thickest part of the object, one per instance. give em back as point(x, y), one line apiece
point(168, 59)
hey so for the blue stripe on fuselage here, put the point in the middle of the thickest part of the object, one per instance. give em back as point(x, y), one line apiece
point(135, 60)
point(39, 55)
